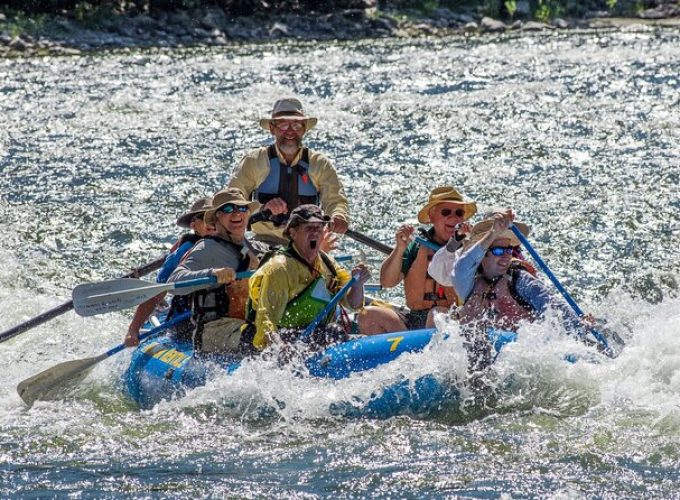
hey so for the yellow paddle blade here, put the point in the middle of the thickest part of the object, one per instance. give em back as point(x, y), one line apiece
point(40, 386)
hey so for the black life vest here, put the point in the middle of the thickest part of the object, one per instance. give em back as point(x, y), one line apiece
point(211, 304)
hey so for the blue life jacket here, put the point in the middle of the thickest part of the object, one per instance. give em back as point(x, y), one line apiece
point(292, 184)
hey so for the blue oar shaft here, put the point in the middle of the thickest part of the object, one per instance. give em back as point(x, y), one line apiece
point(428, 244)
point(208, 280)
point(150, 333)
point(327, 310)
point(544, 267)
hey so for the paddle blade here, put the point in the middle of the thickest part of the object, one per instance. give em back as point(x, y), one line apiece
point(57, 377)
point(90, 299)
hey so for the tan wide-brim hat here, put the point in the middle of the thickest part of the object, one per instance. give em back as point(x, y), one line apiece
point(229, 195)
point(199, 207)
point(288, 108)
point(446, 194)
point(481, 229)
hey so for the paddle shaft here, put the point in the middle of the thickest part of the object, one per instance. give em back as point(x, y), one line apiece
point(131, 293)
point(368, 241)
point(386, 249)
point(45, 382)
point(544, 267)
point(67, 306)
point(327, 310)
point(427, 244)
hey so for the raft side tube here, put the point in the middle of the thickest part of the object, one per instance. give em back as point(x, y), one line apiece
point(366, 353)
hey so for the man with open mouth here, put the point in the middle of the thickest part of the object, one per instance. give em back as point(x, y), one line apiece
point(293, 287)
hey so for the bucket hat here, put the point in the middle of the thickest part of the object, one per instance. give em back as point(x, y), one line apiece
point(288, 108)
point(200, 206)
point(226, 196)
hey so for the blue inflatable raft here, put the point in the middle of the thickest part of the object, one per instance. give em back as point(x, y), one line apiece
point(163, 369)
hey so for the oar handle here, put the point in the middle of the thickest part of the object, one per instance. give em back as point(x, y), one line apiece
point(67, 306)
point(544, 267)
point(327, 310)
point(38, 320)
point(427, 244)
point(155, 331)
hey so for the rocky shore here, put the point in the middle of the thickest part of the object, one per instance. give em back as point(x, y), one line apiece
point(61, 35)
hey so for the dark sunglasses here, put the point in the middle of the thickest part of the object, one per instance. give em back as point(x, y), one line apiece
point(230, 208)
point(498, 251)
point(197, 217)
point(447, 211)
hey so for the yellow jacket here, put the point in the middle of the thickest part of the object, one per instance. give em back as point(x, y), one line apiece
point(280, 280)
point(254, 168)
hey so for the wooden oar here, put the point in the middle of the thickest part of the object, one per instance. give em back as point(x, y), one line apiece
point(68, 372)
point(67, 306)
point(113, 295)
point(604, 344)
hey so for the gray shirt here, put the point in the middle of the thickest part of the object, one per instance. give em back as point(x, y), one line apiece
point(205, 256)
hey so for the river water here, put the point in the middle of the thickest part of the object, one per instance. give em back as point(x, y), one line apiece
point(577, 131)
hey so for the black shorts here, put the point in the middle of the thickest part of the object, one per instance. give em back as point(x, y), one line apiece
point(415, 320)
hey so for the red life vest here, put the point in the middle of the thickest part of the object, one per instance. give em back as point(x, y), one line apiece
point(496, 304)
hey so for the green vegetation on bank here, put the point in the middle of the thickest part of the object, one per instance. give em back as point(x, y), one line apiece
point(93, 10)
point(31, 20)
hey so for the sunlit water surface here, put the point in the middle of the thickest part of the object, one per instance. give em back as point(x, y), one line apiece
point(577, 132)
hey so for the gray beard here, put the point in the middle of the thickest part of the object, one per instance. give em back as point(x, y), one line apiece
point(288, 147)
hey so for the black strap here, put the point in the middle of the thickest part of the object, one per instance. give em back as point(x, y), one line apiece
point(514, 275)
point(289, 176)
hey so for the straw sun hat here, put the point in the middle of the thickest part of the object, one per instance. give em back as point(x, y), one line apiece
point(446, 194)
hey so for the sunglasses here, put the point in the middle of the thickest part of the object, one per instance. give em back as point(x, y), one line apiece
point(459, 212)
point(230, 208)
point(498, 251)
point(296, 126)
point(197, 218)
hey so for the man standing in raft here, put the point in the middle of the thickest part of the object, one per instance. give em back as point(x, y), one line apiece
point(447, 212)
point(285, 175)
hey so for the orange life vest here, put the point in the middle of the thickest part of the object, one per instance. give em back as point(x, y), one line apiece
point(422, 291)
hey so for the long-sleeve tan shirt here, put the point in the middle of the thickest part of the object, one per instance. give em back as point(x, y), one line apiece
point(254, 169)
